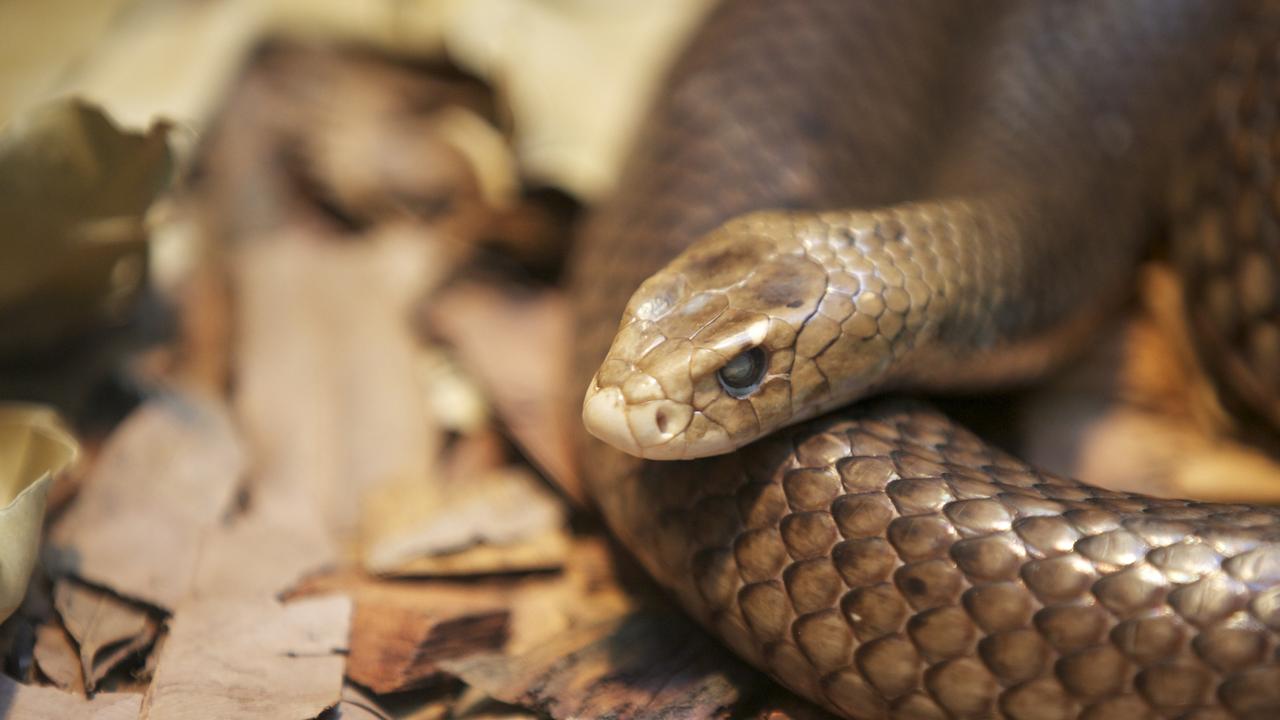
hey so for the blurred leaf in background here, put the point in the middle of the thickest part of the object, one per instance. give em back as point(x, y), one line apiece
point(74, 190)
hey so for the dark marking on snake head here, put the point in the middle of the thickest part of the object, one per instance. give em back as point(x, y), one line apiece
point(732, 261)
point(783, 292)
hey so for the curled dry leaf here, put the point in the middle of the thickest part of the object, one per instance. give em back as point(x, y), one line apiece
point(251, 658)
point(163, 481)
point(31, 702)
point(33, 448)
point(55, 654)
point(107, 629)
point(73, 191)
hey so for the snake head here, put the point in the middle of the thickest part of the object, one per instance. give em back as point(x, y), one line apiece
point(715, 350)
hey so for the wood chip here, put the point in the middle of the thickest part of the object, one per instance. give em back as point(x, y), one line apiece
point(30, 702)
point(519, 345)
point(248, 659)
point(107, 629)
point(647, 664)
point(165, 478)
point(56, 656)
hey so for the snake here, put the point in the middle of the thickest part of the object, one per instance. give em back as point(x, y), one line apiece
point(837, 205)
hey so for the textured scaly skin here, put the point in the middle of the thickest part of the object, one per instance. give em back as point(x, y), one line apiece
point(882, 561)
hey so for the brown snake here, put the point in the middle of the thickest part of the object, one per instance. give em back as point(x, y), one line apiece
point(953, 195)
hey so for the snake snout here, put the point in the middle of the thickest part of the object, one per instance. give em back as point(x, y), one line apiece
point(643, 429)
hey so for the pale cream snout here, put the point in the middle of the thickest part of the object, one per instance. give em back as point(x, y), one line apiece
point(653, 429)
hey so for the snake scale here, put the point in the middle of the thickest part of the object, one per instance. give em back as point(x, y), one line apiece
point(841, 198)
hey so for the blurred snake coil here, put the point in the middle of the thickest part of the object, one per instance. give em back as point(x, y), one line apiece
point(843, 198)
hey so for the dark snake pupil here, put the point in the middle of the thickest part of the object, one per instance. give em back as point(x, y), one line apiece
point(740, 375)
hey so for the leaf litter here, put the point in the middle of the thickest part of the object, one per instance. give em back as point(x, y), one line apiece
point(290, 522)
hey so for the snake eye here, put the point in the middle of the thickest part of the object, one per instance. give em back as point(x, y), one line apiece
point(742, 375)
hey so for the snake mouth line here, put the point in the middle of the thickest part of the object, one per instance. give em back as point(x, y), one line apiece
point(654, 430)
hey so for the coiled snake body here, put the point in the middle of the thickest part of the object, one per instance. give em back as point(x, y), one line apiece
point(853, 196)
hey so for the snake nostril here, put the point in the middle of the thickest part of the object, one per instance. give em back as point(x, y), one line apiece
point(661, 420)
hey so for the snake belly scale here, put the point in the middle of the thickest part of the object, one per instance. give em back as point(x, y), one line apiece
point(839, 198)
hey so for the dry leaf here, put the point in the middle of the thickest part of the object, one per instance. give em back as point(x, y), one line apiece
point(56, 656)
point(73, 190)
point(254, 658)
point(107, 629)
point(403, 628)
point(261, 554)
point(518, 345)
point(28, 702)
point(503, 509)
point(648, 664)
point(165, 478)
point(33, 448)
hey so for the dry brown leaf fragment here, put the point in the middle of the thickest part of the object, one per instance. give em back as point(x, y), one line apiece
point(56, 656)
point(518, 344)
point(30, 702)
point(251, 658)
point(165, 478)
point(503, 509)
point(261, 553)
point(646, 664)
point(107, 629)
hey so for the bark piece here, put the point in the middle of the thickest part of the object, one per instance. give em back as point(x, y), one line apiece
point(30, 702)
point(251, 659)
point(163, 481)
point(518, 343)
point(647, 664)
point(56, 656)
point(107, 630)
